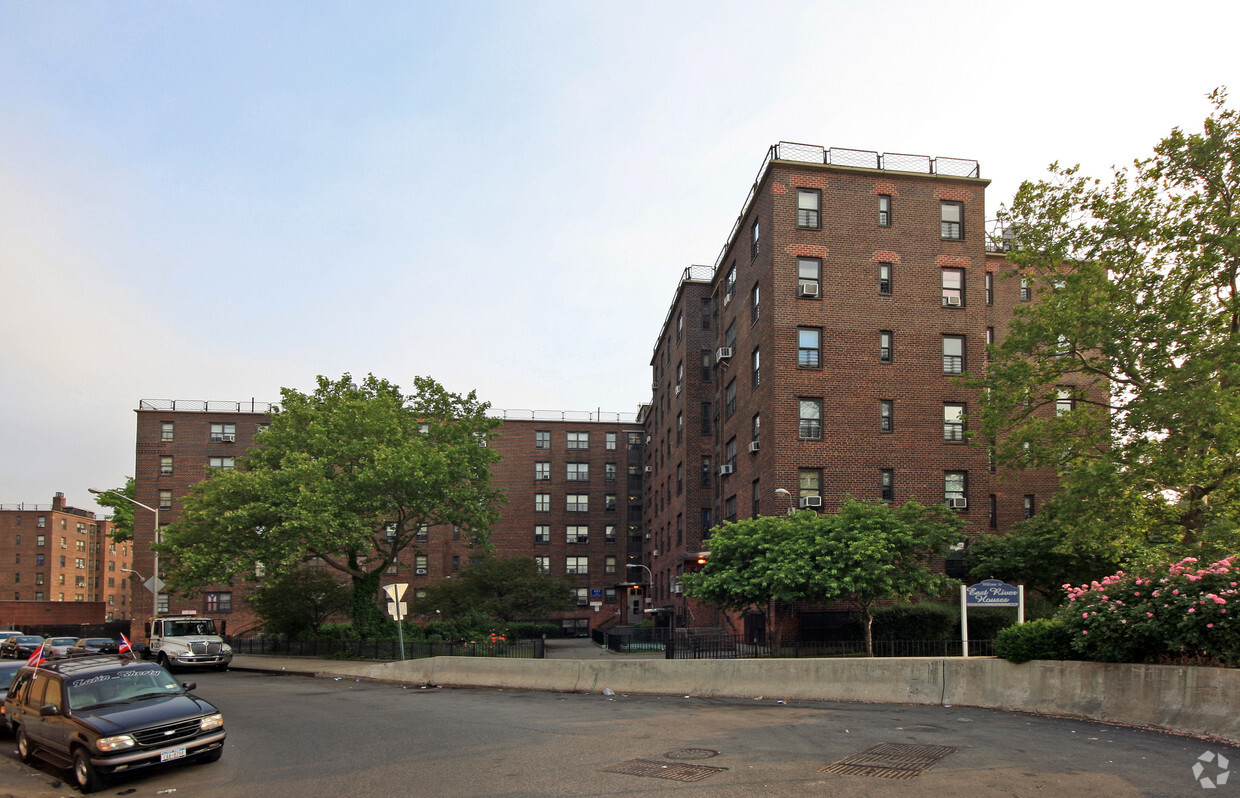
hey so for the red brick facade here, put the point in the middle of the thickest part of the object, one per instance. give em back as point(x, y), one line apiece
point(178, 444)
point(54, 553)
point(881, 368)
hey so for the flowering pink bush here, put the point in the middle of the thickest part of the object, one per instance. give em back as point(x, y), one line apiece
point(1178, 612)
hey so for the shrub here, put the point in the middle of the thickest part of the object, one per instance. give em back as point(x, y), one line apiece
point(915, 622)
point(1178, 611)
point(1038, 639)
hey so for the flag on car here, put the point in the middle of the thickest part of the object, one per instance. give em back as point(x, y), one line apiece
point(38, 657)
point(125, 647)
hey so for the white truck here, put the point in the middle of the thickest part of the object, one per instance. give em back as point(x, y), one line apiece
point(186, 641)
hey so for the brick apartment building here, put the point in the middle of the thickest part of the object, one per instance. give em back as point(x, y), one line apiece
point(573, 483)
point(58, 553)
point(817, 359)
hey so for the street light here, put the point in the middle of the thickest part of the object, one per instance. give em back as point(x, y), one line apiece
point(155, 586)
point(785, 492)
point(649, 575)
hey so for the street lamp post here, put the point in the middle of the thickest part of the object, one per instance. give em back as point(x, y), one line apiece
point(785, 492)
point(649, 577)
point(155, 587)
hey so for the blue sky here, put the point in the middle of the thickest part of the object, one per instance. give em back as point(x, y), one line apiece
point(212, 200)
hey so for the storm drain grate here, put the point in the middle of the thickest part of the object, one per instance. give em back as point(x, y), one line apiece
point(890, 761)
point(677, 771)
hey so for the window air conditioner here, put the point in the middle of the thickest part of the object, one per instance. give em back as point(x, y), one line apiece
point(808, 289)
point(726, 469)
point(654, 386)
point(678, 588)
point(228, 438)
point(951, 301)
point(420, 572)
point(958, 503)
point(724, 353)
point(811, 501)
point(753, 447)
point(648, 469)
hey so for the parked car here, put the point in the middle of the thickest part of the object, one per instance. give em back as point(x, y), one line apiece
point(94, 645)
point(59, 645)
point(102, 714)
point(7, 671)
point(20, 646)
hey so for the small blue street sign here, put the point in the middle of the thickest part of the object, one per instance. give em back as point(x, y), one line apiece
point(596, 592)
point(992, 593)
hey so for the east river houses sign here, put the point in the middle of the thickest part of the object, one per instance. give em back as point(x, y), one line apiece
point(989, 593)
point(992, 593)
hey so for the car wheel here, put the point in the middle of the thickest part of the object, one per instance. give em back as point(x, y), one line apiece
point(23, 745)
point(162, 659)
point(84, 774)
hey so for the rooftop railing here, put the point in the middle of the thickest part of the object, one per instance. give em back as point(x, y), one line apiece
point(855, 159)
point(252, 406)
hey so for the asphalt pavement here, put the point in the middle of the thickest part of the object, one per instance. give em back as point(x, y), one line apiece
point(1000, 753)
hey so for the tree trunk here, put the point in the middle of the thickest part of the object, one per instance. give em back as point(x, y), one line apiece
point(368, 619)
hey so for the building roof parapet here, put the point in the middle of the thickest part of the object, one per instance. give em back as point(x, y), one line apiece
point(853, 159)
point(252, 406)
point(581, 416)
point(200, 406)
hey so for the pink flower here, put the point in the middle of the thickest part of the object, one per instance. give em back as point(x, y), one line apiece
point(1192, 609)
point(1149, 615)
point(1085, 632)
point(1209, 626)
point(1084, 614)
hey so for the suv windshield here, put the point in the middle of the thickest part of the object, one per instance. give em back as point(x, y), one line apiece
point(185, 628)
point(123, 686)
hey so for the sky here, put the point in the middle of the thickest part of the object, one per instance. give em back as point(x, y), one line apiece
point(215, 200)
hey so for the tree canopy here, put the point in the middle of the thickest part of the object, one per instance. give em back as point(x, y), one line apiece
point(1124, 375)
point(866, 552)
point(503, 588)
point(300, 601)
point(121, 517)
point(348, 474)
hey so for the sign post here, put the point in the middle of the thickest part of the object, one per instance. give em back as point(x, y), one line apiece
point(989, 593)
point(397, 609)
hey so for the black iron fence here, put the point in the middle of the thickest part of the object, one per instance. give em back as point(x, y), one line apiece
point(717, 644)
point(387, 650)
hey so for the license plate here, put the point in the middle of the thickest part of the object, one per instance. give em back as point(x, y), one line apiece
point(175, 753)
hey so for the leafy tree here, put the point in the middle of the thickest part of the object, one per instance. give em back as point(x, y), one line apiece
point(865, 553)
point(348, 474)
point(300, 601)
point(1138, 321)
point(503, 588)
point(1033, 553)
point(122, 511)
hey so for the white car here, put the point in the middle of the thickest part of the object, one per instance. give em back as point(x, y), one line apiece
point(59, 645)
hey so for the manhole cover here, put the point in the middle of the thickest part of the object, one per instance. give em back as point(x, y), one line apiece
point(661, 770)
point(890, 761)
point(691, 753)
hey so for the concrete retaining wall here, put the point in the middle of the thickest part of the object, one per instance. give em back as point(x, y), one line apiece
point(1203, 702)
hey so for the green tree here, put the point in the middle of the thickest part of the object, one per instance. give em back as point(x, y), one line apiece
point(503, 588)
point(865, 553)
point(348, 474)
point(1034, 553)
point(1138, 322)
point(300, 601)
point(122, 511)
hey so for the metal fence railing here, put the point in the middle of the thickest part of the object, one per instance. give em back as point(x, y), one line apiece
point(387, 650)
point(723, 646)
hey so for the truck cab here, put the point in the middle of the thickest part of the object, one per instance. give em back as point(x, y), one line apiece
point(187, 641)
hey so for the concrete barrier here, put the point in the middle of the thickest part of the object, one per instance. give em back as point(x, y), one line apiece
point(1203, 702)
